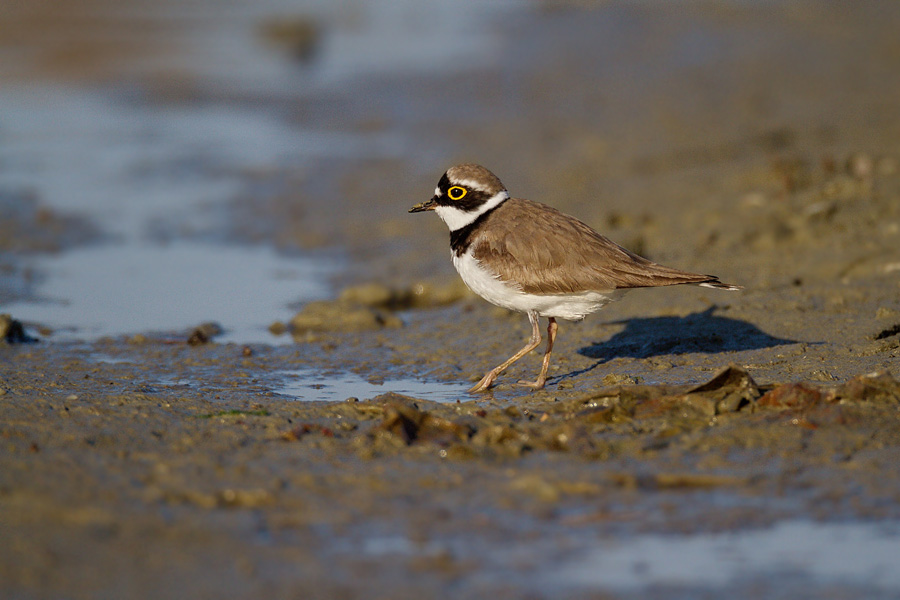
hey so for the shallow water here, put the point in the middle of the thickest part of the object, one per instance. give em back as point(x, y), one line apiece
point(789, 555)
point(110, 290)
point(146, 176)
point(851, 554)
point(157, 178)
point(307, 384)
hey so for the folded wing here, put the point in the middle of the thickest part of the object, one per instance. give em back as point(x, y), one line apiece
point(564, 256)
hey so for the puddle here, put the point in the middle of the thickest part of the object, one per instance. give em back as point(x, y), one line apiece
point(307, 384)
point(99, 357)
point(850, 554)
point(145, 171)
point(791, 556)
point(102, 291)
point(141, 173)
point(139, 170)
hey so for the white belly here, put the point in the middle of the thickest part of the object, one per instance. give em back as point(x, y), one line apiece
point(563, 306)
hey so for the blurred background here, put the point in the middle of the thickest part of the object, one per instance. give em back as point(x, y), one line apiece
point(167, 163)
point(164, 163)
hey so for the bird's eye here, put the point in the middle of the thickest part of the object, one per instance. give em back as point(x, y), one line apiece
point(457, 192)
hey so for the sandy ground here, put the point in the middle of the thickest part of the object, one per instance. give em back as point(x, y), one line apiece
point(763, 149)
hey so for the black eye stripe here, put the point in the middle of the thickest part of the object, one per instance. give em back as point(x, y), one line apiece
point(471, 200)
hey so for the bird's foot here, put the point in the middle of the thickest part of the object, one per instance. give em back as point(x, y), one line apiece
point(486, 382)
point(535, 385)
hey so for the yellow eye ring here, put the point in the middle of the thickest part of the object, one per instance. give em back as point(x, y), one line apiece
point(457, 192)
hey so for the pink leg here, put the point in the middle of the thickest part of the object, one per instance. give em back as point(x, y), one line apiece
point(545, 365)
point(488, 380)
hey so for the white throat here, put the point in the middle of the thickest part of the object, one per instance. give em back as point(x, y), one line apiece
point(457, 219)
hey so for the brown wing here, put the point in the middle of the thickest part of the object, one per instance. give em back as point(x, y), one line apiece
point(548, 252)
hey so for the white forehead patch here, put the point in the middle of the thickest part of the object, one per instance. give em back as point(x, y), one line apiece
point(437, 192)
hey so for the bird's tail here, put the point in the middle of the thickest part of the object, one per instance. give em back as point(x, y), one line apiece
point(716, 284)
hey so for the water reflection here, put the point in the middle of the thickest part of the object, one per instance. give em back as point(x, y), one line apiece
point(147, 119)
point(851, 554)
point(308, 384)
point(789, 560)
point(103, 291)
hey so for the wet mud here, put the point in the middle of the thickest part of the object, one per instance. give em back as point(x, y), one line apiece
point(154, 465)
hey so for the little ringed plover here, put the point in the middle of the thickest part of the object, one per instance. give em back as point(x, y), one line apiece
point(531, 258)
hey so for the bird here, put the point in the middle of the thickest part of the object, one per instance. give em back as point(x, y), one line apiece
point(530, 257)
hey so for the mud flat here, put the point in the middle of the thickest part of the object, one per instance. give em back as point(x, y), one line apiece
point(152, 470)
point(679, 426)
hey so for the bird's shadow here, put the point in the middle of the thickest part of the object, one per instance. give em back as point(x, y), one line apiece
point(700, 332)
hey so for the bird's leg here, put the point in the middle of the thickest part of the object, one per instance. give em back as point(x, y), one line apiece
point(488, 380)
point(545, 365)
